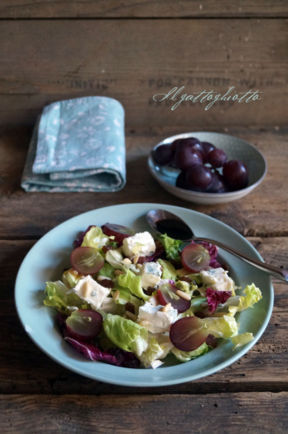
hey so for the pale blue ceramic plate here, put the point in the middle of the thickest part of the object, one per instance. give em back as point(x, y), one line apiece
point(47, 258)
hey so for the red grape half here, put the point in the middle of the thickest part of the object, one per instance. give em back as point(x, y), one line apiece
point(195, 258)
point(118, 231)
point(86, 260)
point(167, 294)
point(83, 324)
point(187, 334)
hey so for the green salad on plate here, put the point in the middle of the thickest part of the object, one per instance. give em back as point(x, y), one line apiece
point(131, 300)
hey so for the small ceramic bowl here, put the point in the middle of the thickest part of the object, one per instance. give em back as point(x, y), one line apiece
point(235, 148)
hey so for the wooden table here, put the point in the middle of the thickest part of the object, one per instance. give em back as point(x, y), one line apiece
point(35, 391)
point(131, 50)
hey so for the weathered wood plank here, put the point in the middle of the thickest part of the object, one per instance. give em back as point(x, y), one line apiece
point(132, 61)
point(229, 413)
point(263, 368)
point(262, 213)
point(145, 8)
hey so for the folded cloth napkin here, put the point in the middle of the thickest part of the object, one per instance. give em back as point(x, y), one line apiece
point(77, 145)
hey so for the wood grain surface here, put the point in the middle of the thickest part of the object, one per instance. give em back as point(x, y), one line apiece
point(264, 368)
point(227, 413)
point(133, 60)
point(132, 50)
point(22, 214)
point(142, 9)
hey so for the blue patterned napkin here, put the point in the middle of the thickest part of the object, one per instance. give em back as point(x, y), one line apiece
point(77, 145)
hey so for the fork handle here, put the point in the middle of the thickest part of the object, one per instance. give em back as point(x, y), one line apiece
point(276, 272)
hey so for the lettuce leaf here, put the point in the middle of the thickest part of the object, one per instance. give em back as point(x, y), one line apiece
point(125, 297)
point(183, 286)
point(114, 258)
point(168, 270)
point(185, 356)
point(71, 277)
point(157, 350)
point(95, 238)
point(62, 299)
point(107, 271)
point(126, 334)
point(172, 247)
point(241, 339)
point(129, 280)
point(221, 327)
point(251, 295)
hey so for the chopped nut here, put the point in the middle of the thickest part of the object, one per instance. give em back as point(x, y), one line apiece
point(118, 272)
point(130, 315)
point(183, 295)
point(166, 307)
point(116, 294)
point(85, 290)
point(135, 259)
point(143, 323)
point(126, 261)
point(139, 266)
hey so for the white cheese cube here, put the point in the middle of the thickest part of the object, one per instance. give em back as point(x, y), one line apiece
point(152, 268)
point(140, 244)
point(218, 279)
point(149, 281)
point(153, 319)
point(91, 291)
point(150, 274)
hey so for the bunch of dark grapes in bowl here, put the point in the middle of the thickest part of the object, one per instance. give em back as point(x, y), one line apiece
point(203, 167)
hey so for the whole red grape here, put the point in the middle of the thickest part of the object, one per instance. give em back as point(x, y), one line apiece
point(181, 180)
point(189, 141)
point(235, 174)
point(185, 157)
point(217, 157)
point(198, 178)
point(207, 147)
point(217, 184)
point(163, 154)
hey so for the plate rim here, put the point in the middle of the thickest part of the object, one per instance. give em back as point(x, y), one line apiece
point(232, 359)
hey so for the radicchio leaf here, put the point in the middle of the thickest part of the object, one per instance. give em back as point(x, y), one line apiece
point(215, 297)
point(213, 252)
point(115, 357)
point(125, 358)
point(91, 352)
